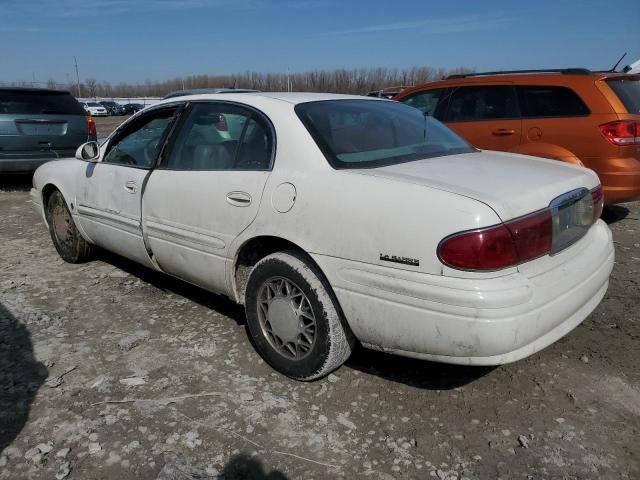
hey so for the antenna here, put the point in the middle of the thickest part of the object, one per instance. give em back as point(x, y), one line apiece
point(618, 62)
point(75, 60)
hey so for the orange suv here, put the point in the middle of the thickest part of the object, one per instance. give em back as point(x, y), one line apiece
point(573, 115)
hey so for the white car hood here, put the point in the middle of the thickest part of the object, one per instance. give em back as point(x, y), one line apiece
point(512, 185)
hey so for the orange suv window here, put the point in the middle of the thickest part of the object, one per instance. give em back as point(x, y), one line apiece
point(543, 101)
point(481, 103)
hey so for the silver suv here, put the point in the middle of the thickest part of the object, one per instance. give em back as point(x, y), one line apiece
point(38, 125)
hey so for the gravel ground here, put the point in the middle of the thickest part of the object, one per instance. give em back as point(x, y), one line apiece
point(108, 370)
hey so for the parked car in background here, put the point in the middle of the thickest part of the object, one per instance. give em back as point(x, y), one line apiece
point(38, 125)
point(388, 92)
point(572, 115)
point(95, 109)
point(369, 222)
point(131, 108)
point(113, 108)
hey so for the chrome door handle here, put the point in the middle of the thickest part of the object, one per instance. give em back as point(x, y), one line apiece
point(239, 199)
point(130, 186)
point(503, 132)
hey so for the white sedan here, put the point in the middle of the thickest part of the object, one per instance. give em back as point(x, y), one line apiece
point(341, 219)
point(95, 109)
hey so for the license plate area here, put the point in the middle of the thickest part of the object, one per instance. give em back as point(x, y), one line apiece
point(41, 128)
point(571, 217)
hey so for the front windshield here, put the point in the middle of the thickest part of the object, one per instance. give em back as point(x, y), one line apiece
point(373, 133)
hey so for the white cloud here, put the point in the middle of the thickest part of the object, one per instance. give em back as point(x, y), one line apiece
point(465, 23)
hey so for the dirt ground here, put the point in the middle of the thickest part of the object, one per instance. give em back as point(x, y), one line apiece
point(111, 371)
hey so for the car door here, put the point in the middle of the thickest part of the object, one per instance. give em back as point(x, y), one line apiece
point(207, 190)
point(487, 116)
point(109, 202)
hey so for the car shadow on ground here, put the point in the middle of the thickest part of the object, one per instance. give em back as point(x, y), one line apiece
point(415, 373)
point(21, 375)
point(15, 183)
point(240, 466)
point(614, 213)
point(219, 303)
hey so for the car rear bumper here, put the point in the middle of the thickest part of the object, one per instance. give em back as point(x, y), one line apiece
point(488, 321)
point(620, 186)
point(21, 165)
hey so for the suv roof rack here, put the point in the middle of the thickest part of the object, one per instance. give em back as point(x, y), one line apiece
point(564, 71)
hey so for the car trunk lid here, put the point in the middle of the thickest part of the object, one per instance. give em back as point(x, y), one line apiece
point(512, 185)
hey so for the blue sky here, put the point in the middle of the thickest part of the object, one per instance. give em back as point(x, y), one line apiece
point(139, 40)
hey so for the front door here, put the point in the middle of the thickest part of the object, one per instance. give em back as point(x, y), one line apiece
point(109, 202)
point(207, 190)
point(486, 116)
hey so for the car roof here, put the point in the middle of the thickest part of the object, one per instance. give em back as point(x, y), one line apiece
point(202, 91)
point(287, 97)
point(571, 76)
point(34, 90)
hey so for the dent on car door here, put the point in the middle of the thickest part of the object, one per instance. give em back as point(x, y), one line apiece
point(110, 198)
point(207, 190)
point(486, 116)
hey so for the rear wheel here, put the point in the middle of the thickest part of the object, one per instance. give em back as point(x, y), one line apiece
point(293, 319)
point(64, 234)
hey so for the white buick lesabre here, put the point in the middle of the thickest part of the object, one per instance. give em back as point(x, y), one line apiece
point(337, 219)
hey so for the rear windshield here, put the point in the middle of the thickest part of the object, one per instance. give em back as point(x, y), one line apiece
point(628, 91)
point(374, 133)
point(34, 103)
point(94, 104)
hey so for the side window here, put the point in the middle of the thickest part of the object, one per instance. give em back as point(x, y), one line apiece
point(543, 101)
point(427, 101)
point(482, 103)
point(137, 145)
point(221, 137)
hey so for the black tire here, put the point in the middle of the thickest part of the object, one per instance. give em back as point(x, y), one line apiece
point(64, 234)
point(333, 341)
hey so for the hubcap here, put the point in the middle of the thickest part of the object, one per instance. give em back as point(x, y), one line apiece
point(286, 318)
point(61, 224)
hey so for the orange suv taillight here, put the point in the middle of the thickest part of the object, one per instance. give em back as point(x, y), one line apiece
point(622, 132)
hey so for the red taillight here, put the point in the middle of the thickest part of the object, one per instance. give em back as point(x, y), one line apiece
point(221, 124)
point(91, 125)
point(598, 202)
point(622, 132)
point(487, 249)
point(501, 246)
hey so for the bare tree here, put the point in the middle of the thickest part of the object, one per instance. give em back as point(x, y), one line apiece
point(92, 87)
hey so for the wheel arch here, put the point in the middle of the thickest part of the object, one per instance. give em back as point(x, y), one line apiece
point(548, 150)
point(254, 249)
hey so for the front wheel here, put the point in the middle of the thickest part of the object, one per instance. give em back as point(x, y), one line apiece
point(64, 233)
point(293, 318)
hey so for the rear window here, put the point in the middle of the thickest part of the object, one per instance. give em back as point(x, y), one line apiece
point(373, 133)
point(628, 91)
point(35, 103)
point(544, 101)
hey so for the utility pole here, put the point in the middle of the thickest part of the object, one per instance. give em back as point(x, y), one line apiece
point(75, 60)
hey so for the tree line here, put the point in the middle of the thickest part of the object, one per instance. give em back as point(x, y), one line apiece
point(353, 81)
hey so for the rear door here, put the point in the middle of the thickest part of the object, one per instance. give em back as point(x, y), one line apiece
point(556, 115)
point(487, 116)
point(40, 124)
point(207, 190)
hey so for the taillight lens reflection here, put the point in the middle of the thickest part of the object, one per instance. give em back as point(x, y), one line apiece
point(598, 202)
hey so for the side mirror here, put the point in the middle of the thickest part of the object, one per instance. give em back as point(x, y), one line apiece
point(88, 151)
